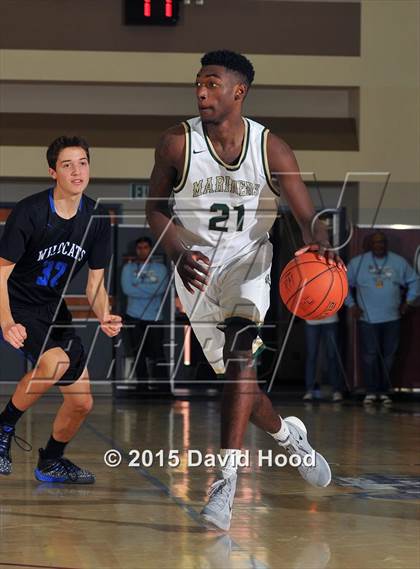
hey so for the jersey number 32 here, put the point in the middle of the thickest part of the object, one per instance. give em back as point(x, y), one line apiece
point(51, 273)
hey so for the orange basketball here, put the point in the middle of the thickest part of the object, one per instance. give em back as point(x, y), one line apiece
point(311, 288)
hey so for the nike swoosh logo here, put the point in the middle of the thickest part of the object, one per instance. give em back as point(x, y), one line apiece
point(198, 151)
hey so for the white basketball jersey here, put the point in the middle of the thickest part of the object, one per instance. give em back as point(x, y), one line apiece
point(224, 210)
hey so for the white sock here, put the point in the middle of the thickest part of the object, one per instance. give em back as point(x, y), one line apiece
point(232, 462)
point(283, 434)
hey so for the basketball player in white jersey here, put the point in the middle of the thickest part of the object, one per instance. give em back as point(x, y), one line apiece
point(216, 169)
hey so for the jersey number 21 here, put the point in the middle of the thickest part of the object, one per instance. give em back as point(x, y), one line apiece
point(223, 218)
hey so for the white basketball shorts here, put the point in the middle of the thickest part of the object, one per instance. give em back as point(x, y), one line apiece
point(240, 288)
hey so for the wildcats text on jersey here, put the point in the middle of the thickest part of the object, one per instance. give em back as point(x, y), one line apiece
point(224, 184)
point(64, 248)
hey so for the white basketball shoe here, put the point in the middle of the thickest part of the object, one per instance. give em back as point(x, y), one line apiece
point(317, 472)
point(217, 513)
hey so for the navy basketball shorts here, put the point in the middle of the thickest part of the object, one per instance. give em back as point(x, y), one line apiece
point(45, 331)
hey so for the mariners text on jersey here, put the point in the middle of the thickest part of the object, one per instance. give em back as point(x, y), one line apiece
point(225, 184)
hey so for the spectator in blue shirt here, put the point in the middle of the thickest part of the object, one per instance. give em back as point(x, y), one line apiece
point(385, 285)
point(144, 282)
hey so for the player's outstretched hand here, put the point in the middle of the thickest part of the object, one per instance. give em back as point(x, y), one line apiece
point(112, 325)
point(193, 268)
point(15, 334)
point(324, 249)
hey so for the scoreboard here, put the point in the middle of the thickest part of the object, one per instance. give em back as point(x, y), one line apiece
point(151, 12)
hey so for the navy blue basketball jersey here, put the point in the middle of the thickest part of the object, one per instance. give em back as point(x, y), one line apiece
point(48, 249)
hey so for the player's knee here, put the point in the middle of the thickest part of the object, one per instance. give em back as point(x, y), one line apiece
point(240, 334)
point(86, 405)
point(82, 405)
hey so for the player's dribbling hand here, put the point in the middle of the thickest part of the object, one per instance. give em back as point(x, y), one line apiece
point(324, 249)
point(15, 334)
point(111, 325)
point(193, 268)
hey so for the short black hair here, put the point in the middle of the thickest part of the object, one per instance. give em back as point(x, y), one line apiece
point(62, 142)
point(232, 61)
point(144, 239)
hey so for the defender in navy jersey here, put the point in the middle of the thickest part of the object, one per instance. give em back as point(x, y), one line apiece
point(47, 239)
point(217, 169)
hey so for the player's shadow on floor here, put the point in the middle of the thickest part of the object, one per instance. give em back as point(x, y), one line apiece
point(168, 528)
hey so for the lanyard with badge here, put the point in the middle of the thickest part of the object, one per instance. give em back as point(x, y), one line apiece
point(379, 283)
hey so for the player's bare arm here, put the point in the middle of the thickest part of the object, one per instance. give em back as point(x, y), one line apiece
point(13, 332)
point(283, 164)
point(99, 300)
point(169, 164)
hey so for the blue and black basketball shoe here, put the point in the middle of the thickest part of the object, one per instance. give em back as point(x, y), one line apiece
point(7, 433)
point(61, 470)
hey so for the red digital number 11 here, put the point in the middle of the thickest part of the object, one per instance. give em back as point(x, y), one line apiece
point(169, 8)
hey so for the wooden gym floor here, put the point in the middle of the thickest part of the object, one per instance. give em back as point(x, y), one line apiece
point(368, 518)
